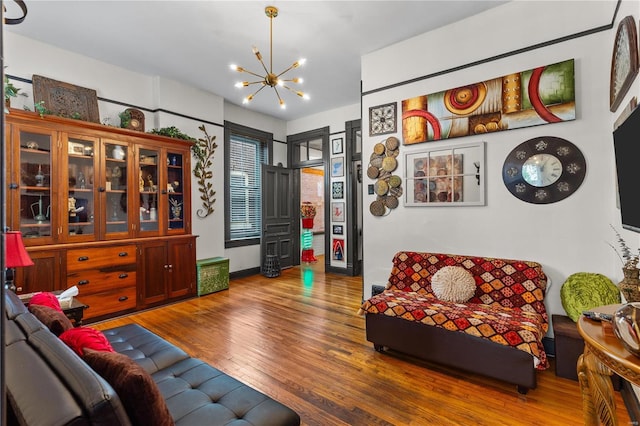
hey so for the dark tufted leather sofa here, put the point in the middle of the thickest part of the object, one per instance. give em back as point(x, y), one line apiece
point(48, 384)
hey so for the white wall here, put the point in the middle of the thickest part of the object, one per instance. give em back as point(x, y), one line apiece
point(565, 237)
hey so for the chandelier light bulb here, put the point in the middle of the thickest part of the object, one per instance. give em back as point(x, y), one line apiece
point(282, 104)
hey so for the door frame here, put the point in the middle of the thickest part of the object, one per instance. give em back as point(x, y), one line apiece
point(353, 156)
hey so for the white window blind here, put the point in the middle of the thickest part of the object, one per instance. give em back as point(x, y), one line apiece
point(245, 159)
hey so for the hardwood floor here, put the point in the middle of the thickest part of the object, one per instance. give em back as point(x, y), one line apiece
point(297, 338)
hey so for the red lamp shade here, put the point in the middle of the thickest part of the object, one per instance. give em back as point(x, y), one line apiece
point(15, 253)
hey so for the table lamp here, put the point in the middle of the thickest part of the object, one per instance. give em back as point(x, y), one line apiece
point(15, 255)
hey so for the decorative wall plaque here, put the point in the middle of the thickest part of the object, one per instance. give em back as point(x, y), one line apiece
point(382, 119)
point(65, 99)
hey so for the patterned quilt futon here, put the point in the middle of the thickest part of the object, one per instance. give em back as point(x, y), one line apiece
point(510, 327)
point(508, 307)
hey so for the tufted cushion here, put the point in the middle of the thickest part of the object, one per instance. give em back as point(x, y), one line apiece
point(585, 290)
point(80, 338)
point(55, 321)
point(453, 284)
point(46, 299)
point(135, 387)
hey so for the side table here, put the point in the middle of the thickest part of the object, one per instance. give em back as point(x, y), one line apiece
point(75, 310)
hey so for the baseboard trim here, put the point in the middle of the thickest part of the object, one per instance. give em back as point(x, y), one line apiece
point(244, 273)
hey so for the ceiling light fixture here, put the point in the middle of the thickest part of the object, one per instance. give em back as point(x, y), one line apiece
point(270, 78)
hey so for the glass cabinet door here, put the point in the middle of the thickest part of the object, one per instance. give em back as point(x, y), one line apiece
point(175, 188)
point(148, 182)
point(34, 206)
point(81, 202)
point(116, 203)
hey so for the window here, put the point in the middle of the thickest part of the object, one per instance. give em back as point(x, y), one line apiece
point(246, 150)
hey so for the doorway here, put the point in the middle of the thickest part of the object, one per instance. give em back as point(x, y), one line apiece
point(306, 156)
point(313, 231)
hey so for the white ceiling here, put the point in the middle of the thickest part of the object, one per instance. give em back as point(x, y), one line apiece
point(195, 41)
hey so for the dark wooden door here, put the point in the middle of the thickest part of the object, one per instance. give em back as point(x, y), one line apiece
point(182, 271)
point(278, 216)
point(154, 271)
point(44, 275)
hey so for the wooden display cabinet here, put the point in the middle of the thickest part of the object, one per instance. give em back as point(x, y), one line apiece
point(79, 186)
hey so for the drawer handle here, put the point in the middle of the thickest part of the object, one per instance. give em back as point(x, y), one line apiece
point(123, 298)
point(83, 258)
point(83, 282)
point(123, 254)
point(121, 276)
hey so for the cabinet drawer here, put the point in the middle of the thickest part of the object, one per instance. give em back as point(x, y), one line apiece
point(108, 302)
point(94, 258)
point(94, 281)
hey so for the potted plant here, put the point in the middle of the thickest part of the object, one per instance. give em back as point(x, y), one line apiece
point(10, 91)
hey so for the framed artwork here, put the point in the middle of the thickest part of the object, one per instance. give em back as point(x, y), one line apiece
point(338, 249)
point(541, 95)
point(337, 146)
point(382, 119)
point(337, 167)
point(337, 229)
point(337, 211)
point(75, 148)
point(65, 99)
point(337, 190)
point(624, 61)
point(446, 176)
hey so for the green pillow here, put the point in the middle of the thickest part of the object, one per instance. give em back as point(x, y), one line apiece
point(585, 290)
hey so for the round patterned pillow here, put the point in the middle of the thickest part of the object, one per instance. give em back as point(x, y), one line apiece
point(453, 284)
point(586, 290)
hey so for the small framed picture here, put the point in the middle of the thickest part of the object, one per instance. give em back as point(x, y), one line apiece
point(337, 167)
point(338, 249)
point(337, 229)
point(336, 146)
point(76, 148)
point(337, 190)
point(337, 211)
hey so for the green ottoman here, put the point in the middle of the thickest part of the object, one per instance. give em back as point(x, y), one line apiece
point(213, 275)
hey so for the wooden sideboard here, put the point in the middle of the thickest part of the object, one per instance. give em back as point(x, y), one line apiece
point(603, 355)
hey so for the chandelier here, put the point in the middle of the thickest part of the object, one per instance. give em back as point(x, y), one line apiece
point(270, 78)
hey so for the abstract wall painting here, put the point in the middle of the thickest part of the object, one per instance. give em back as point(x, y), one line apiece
point(534, 97)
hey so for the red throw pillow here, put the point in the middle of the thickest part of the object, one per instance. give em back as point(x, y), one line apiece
point(138, 392)
point(55, 321)
point(80, 338)
point(46, 299)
